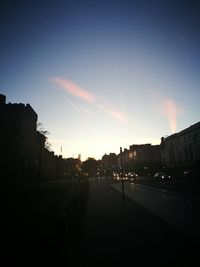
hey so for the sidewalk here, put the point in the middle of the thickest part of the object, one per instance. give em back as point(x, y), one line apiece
point(126, 234)
point(182, 185)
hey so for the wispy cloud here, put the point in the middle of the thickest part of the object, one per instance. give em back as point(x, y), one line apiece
point(75, 90)
point(85, 110)
point(81, 111)
point(114, 113)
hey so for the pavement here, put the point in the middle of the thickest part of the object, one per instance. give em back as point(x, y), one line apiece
point(181, 184)
point(32, 226)
point(118, 233)
point(41, 227)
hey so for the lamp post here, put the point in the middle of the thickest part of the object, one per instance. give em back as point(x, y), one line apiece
point(122, 173)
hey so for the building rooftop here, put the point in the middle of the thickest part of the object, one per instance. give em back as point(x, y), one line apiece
point(189, 129)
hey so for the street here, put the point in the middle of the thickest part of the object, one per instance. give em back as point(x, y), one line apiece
point(178, 209)
point(127, 234)
point(53, 224)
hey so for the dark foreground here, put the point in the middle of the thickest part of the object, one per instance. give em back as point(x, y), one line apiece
point(53, 224)
point(126, 234)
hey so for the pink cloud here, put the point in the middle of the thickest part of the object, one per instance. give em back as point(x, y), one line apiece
point(74, 89)
point(77, 91)
point(118, 115)
point(171, 111)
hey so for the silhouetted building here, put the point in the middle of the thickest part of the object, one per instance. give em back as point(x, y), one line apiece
point(2, 99)
point(61, 167)
point(50, 166)
point(182, 150)
point(72, 166)
point(100, 168)
point(125, 156)
point(41, 139)
point(24, 156)
point(145, 153)
point(18, 139)
point(110, 161)
point(142, 158)
point(48, 169)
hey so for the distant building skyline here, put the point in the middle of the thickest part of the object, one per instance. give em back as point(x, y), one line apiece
point(104, 74)
point(26, 154)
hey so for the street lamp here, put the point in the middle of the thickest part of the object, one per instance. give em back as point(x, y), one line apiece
point(122, 172)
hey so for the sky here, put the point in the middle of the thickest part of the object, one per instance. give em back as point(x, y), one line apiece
point(103, 74)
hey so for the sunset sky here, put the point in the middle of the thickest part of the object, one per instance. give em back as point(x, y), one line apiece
point(103, 74)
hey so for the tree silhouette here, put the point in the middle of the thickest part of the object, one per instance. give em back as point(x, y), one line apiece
point(89, 166)
point(40, 128)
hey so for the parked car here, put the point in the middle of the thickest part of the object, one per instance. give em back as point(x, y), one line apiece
point(191, 175)
point(162, 176)
point(132, 176)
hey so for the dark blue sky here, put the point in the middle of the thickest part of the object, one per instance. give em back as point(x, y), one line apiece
point(138, 60)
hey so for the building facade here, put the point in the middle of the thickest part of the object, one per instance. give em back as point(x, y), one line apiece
point(141, 158)
point(182, 150)
point(18, 124)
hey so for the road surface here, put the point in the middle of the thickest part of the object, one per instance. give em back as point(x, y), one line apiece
point(180, 210)
point(39, 226)
point(127, 234)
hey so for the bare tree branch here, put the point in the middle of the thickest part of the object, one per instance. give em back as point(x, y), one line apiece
point(40, 128)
